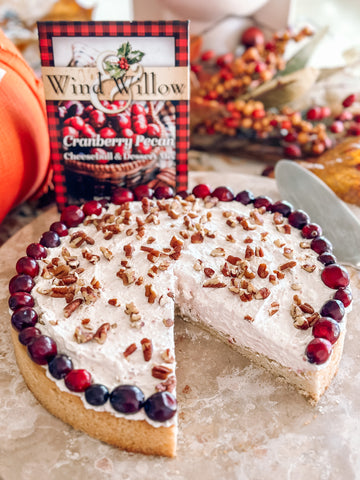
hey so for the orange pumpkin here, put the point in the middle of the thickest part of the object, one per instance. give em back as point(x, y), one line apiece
point(24, 139)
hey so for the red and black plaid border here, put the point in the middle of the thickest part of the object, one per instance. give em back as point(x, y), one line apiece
point(177, 29)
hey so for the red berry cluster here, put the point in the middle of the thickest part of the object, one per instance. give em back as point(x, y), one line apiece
point(83, 120)
point(123, 63)
point(222, 82)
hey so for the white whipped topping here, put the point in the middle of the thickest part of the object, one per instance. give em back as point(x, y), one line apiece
point(273, 336)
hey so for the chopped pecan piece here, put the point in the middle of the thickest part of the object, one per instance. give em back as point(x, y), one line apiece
point(83, 336)
point(197, 237)
point(274, 308)
point(249, 252)
point(72, 306)
point(167, 386)
point(147, 349)
point(218, 252)
point(307, 308)
point(167, 356)
point(209, 272)
point(285, 228)
point(278, 218)
point(308, 268)
point(88, 294)
point(262, 271)
point(150, 293)
point(288, 252)
point(256, 217)
point(161, 372)
point(107, 253)
point(130, 349)
point(249, 318)
point(287, 265)
point(214, 282)
point(101, 333)
point(233, 260)
point(90, 257)
point(262, 293)
point(113, 302)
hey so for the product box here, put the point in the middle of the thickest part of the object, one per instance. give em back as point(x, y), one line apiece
point(117, 96)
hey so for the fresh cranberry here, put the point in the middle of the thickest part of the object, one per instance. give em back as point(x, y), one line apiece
point(70, 132)
point(60, 228)
point(27, 265)
point(201, 190)
point(153, 130)
point(143, 191)
point(36, 250)
point(354, 130)
point(97, 394)
point(252, 36)
point(270, 46)
point(42, 349)
point(344, 295)
point(127, 133)
point(20, 299)
point(112, 110)
point(183, 194)
point(345, 116)
point(337, 127)
point(225, 59)
point(313, 113)
point(326, 328)
point(72, 216)
point(327, 258)
point(107, 132)
point(292, 151)
point(321, 245)
point(335, 276)
point(283, 207)
point(224, 194)
point(101, 155)
point(105, 103)
point(298, 219)
point(93, 207)
point(50, 239)
point(164, 192)
point(258, 113)
point(144, 149)
point(263, 201)
point(349, 100)
point(140, 118)
point(160, 406)
point(290, 137)
point(208, 55)
point(260, 67)
point(245, 197)
point(75, 122)
point(26, 335)
point(120, 151)
point(196, 68)
point(89, 109)
point(122, 121)
point(127, 399)
point(357, 118)
point(311, 230)
point(21, 283)
point(74, 108)
point(24, 317)
point(122, 195)
point(137, 109)
point(334, 309)
point(318, 350)
point(78, 380)
point(60, 366)
point(325, 112)
point(88, 131)
point(139, 127)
